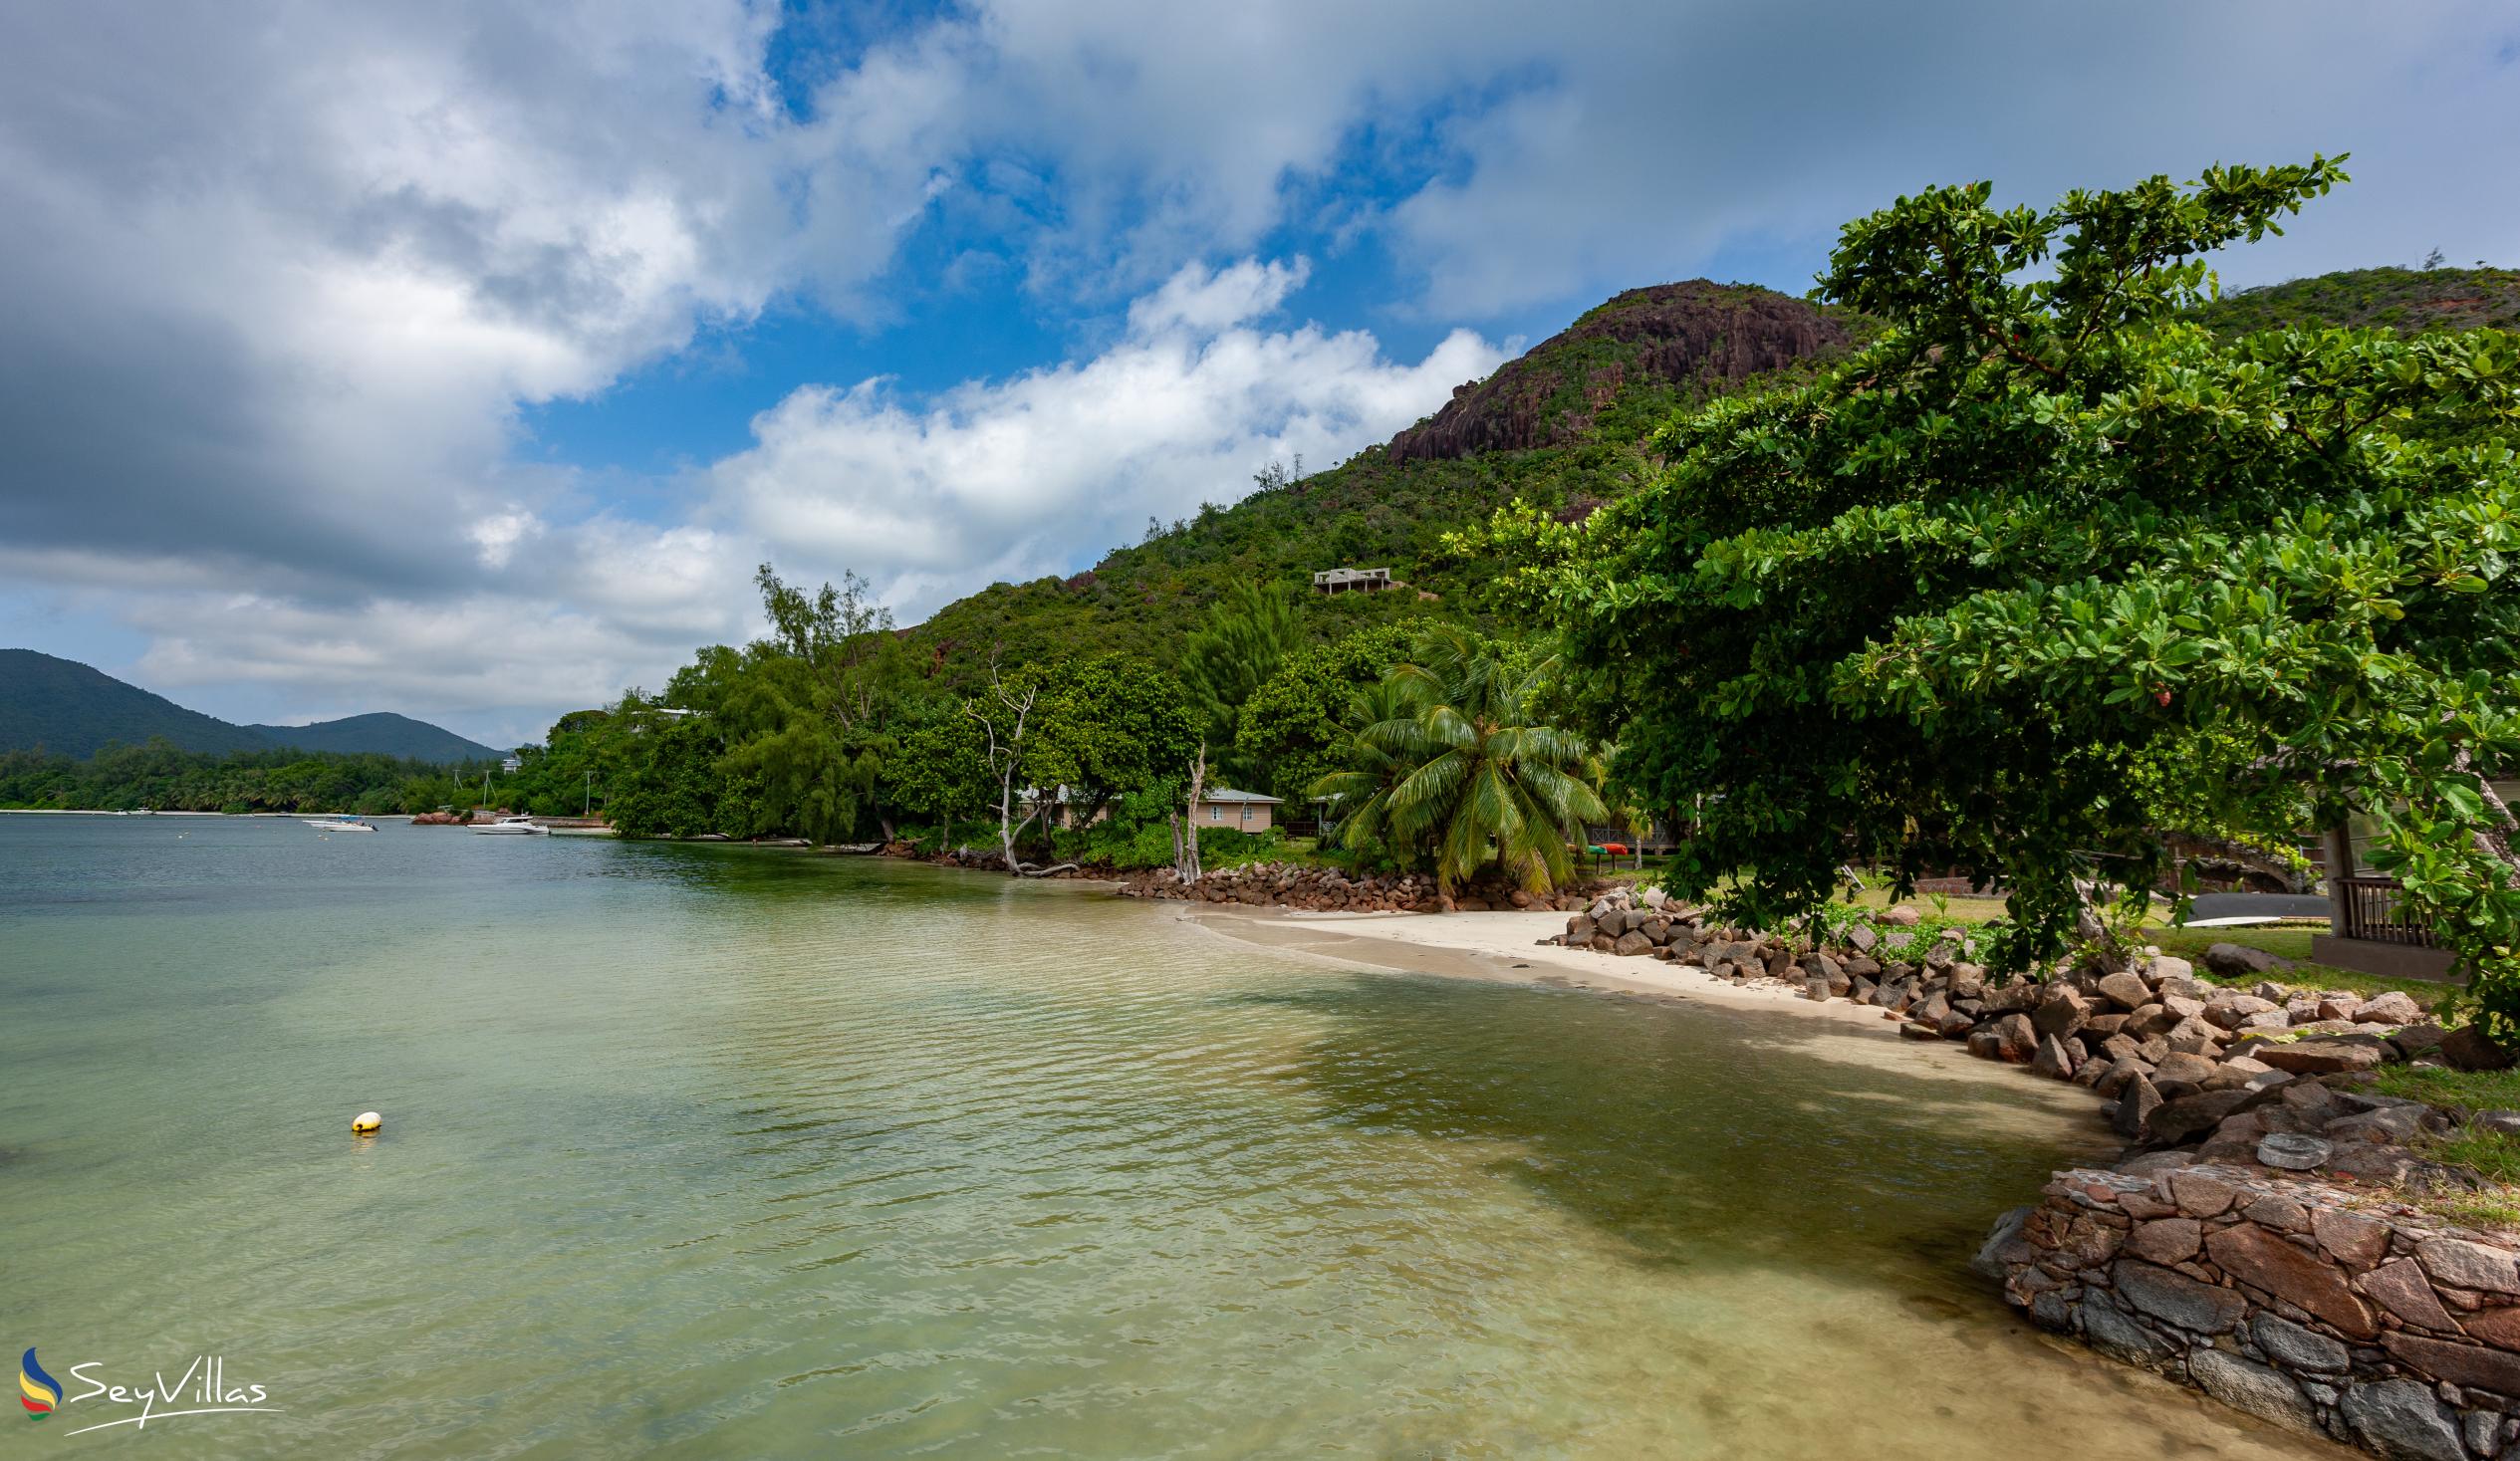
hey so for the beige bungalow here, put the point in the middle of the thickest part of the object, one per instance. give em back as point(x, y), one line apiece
point(1241, 810)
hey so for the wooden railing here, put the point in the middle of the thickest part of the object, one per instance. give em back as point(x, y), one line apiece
point(2370, 911)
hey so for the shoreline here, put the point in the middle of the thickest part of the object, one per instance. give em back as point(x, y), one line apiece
point(1500, 949)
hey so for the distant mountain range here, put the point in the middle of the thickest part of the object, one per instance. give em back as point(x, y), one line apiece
point(71, 709)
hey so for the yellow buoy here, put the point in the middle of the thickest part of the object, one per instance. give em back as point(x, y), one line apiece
point(366, 1122)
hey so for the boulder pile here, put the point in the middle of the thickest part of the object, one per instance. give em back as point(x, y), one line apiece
point(1330, 889)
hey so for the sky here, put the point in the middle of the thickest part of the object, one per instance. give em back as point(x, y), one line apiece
point(465, 359)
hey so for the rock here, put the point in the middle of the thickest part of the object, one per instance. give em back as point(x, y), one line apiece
point(2474, 1366)
point(2470, 1049)
point(2051, 1060)
point(2499, 1327)
point(2393, 1007)
point(2350, 1237)
point(2120, 1337)
point(2177, 1298)
point(1903, 917)
point(2136, 1104)
point(2061, 1013)
point(2114, 1080)
point(2194, 1069)
point(2400, 1287)
point(2292, 1152)
point(2418, 1039)
point(2232, 1011)
point(2125, 991)
point(2299, 1347)
point(1910, 1030)
point(1632, 943)
point(2238, 961)
point(2403, 1420)
point(2189, 1115)
point(2016, 1040)
point(2257, 1257)
point(2373, 1161)
point(2166, 1241)
point(2238, 1072)
point(2166, 967)
point(1993, 1255)
point(2247, 1385)
point(2397, 1125)
point(2319, 1056)
point(2465, 1265)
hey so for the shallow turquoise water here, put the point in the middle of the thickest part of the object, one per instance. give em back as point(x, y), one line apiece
point(717, 1151)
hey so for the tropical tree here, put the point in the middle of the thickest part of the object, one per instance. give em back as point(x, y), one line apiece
point(1357, 798)
point(1295, 729)
point(2047, 572)
point(1480, 775)
point(1247, 635)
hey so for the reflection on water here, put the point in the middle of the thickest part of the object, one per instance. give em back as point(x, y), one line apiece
point(712, 1151)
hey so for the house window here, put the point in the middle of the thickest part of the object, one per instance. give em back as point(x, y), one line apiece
point(1215, 813)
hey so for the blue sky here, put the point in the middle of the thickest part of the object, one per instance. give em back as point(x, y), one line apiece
point(462, 360)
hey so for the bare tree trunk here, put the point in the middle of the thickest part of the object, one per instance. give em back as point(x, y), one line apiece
point(1177, 864)
point(1005, 757)
point(1190, 844)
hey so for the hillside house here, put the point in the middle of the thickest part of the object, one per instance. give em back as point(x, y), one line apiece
point(1351, 581)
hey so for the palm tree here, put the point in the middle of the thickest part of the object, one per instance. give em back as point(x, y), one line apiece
point(1466, 770)
point(1358, 797)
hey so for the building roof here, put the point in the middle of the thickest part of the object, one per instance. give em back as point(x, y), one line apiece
point(1350, 574)
point(1228, 793)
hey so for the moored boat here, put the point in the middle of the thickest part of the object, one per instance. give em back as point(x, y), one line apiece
point(514, 826)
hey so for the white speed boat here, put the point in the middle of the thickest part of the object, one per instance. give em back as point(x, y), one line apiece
point(513, 826)
point(337, 824)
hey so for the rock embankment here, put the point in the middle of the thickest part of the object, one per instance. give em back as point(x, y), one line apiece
point(2316, 1308)
point(1332, 890)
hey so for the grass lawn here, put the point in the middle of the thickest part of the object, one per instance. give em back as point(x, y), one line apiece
point(2482, 1090)
point(1960, 910)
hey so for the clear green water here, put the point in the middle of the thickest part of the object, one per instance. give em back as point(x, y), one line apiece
point(714, 1151)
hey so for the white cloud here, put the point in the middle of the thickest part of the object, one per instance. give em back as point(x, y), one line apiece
point(277, 291)
point(1012, 479)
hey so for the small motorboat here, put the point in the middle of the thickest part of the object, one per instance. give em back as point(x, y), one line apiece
point(337, 824)
point(513, 826)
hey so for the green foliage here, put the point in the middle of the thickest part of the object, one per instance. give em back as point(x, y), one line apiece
point(1103, 726)
point(1466, 767)
point(1291, 728)
point(1248, 633)
point(165, 777)
point(2407, 300)
point(2046, 570)
point(2475, 1090)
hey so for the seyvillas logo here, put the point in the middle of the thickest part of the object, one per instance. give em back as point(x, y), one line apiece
point(202, 1390)
point(39, 1393)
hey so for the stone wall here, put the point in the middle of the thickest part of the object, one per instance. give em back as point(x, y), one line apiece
point(2328, 1312)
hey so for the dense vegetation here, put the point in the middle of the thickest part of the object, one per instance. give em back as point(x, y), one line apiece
point(2050, 570)
point(166, 778)
point(2409, 301)
point(64, 707)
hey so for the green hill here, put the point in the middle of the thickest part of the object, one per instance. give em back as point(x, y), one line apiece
point(382, 733)
point(70, 709)
point(1561, 426)
point(2406, 300)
